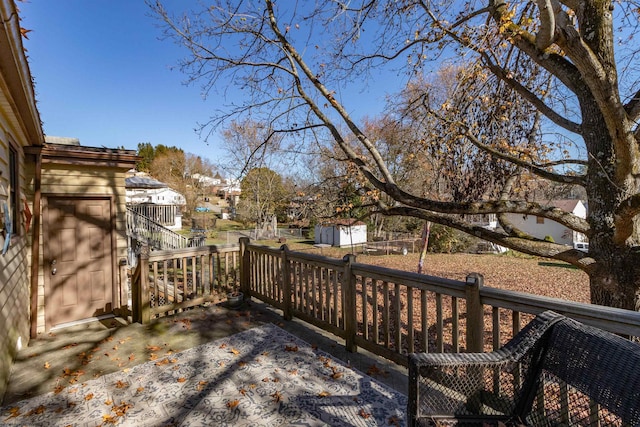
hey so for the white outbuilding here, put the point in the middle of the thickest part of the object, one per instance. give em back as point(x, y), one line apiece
point(341, 233)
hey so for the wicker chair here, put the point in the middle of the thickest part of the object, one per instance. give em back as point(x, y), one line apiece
point(555, 372)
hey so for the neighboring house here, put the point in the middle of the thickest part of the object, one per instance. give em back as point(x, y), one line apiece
point(542, 227)
point(148, 190)
point(341, 233)
point(155, 200)
point(207, 181)
point(64, 206)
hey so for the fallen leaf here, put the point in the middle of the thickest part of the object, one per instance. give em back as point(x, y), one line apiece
point(277, 397)
point(181, 379)
point(201, 385)
point(252, 386)
point(153, 356)
point(393, 421)
point(109, 419)
point(58, 389)
point(324, 394)
point(121, 409)
point(88, 397)
point(242, 364)
point(36, 411)
point(374, 370)
point(232, 403)
point(162, 362)
point(121, 384)
point(364, 414)
point(153, 348)
point(68, 346)
point(243, 391)
point(14, 412)
point(235, 351)
point(47, 365)
point(293, 348)
point(108, 402)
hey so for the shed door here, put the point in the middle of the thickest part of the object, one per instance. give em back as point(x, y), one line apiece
point(78, 259)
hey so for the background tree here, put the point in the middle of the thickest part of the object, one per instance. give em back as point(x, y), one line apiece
point(556, 57)
point(181, 171)
point(263, 198)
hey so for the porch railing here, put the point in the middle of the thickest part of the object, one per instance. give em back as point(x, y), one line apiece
point(388, 312)
point(164, 282)
point(392, 313)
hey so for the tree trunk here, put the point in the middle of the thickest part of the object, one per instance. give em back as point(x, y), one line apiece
point(615, 281)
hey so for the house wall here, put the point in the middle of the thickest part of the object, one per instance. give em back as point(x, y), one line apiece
point(19, 127)
point(14, 273)
point(79, 180)
point(560, 233)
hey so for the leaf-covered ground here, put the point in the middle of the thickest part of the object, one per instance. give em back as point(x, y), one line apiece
point(532, 275)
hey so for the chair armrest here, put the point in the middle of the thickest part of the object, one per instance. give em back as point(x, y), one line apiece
point(474, 386)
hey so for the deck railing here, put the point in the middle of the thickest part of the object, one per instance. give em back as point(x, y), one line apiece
point(386, 311)
point(164, 282)
point(392, 313)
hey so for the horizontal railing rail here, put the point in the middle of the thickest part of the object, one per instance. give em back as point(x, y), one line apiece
point(393, 313)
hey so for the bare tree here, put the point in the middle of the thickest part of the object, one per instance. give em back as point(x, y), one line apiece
point(557, 56)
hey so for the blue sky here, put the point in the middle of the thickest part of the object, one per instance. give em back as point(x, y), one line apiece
point(103, 76)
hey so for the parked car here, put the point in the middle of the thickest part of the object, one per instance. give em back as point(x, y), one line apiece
point(202, 209)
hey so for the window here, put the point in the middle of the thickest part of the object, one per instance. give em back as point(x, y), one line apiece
point(14, 191)
point(539, 220)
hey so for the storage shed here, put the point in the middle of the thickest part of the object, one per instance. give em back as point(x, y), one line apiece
point(341, 233)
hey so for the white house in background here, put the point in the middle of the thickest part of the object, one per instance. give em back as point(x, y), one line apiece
point(207, 181)
point(340, 233)
point(542, 227)
point(155, 200)
point(148, 190)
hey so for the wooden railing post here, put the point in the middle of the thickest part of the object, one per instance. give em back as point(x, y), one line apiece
point(286, 283)
point(245, 268)
point(475, 313)
point(124, 284)
point(349, 289)
point(142, 302)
